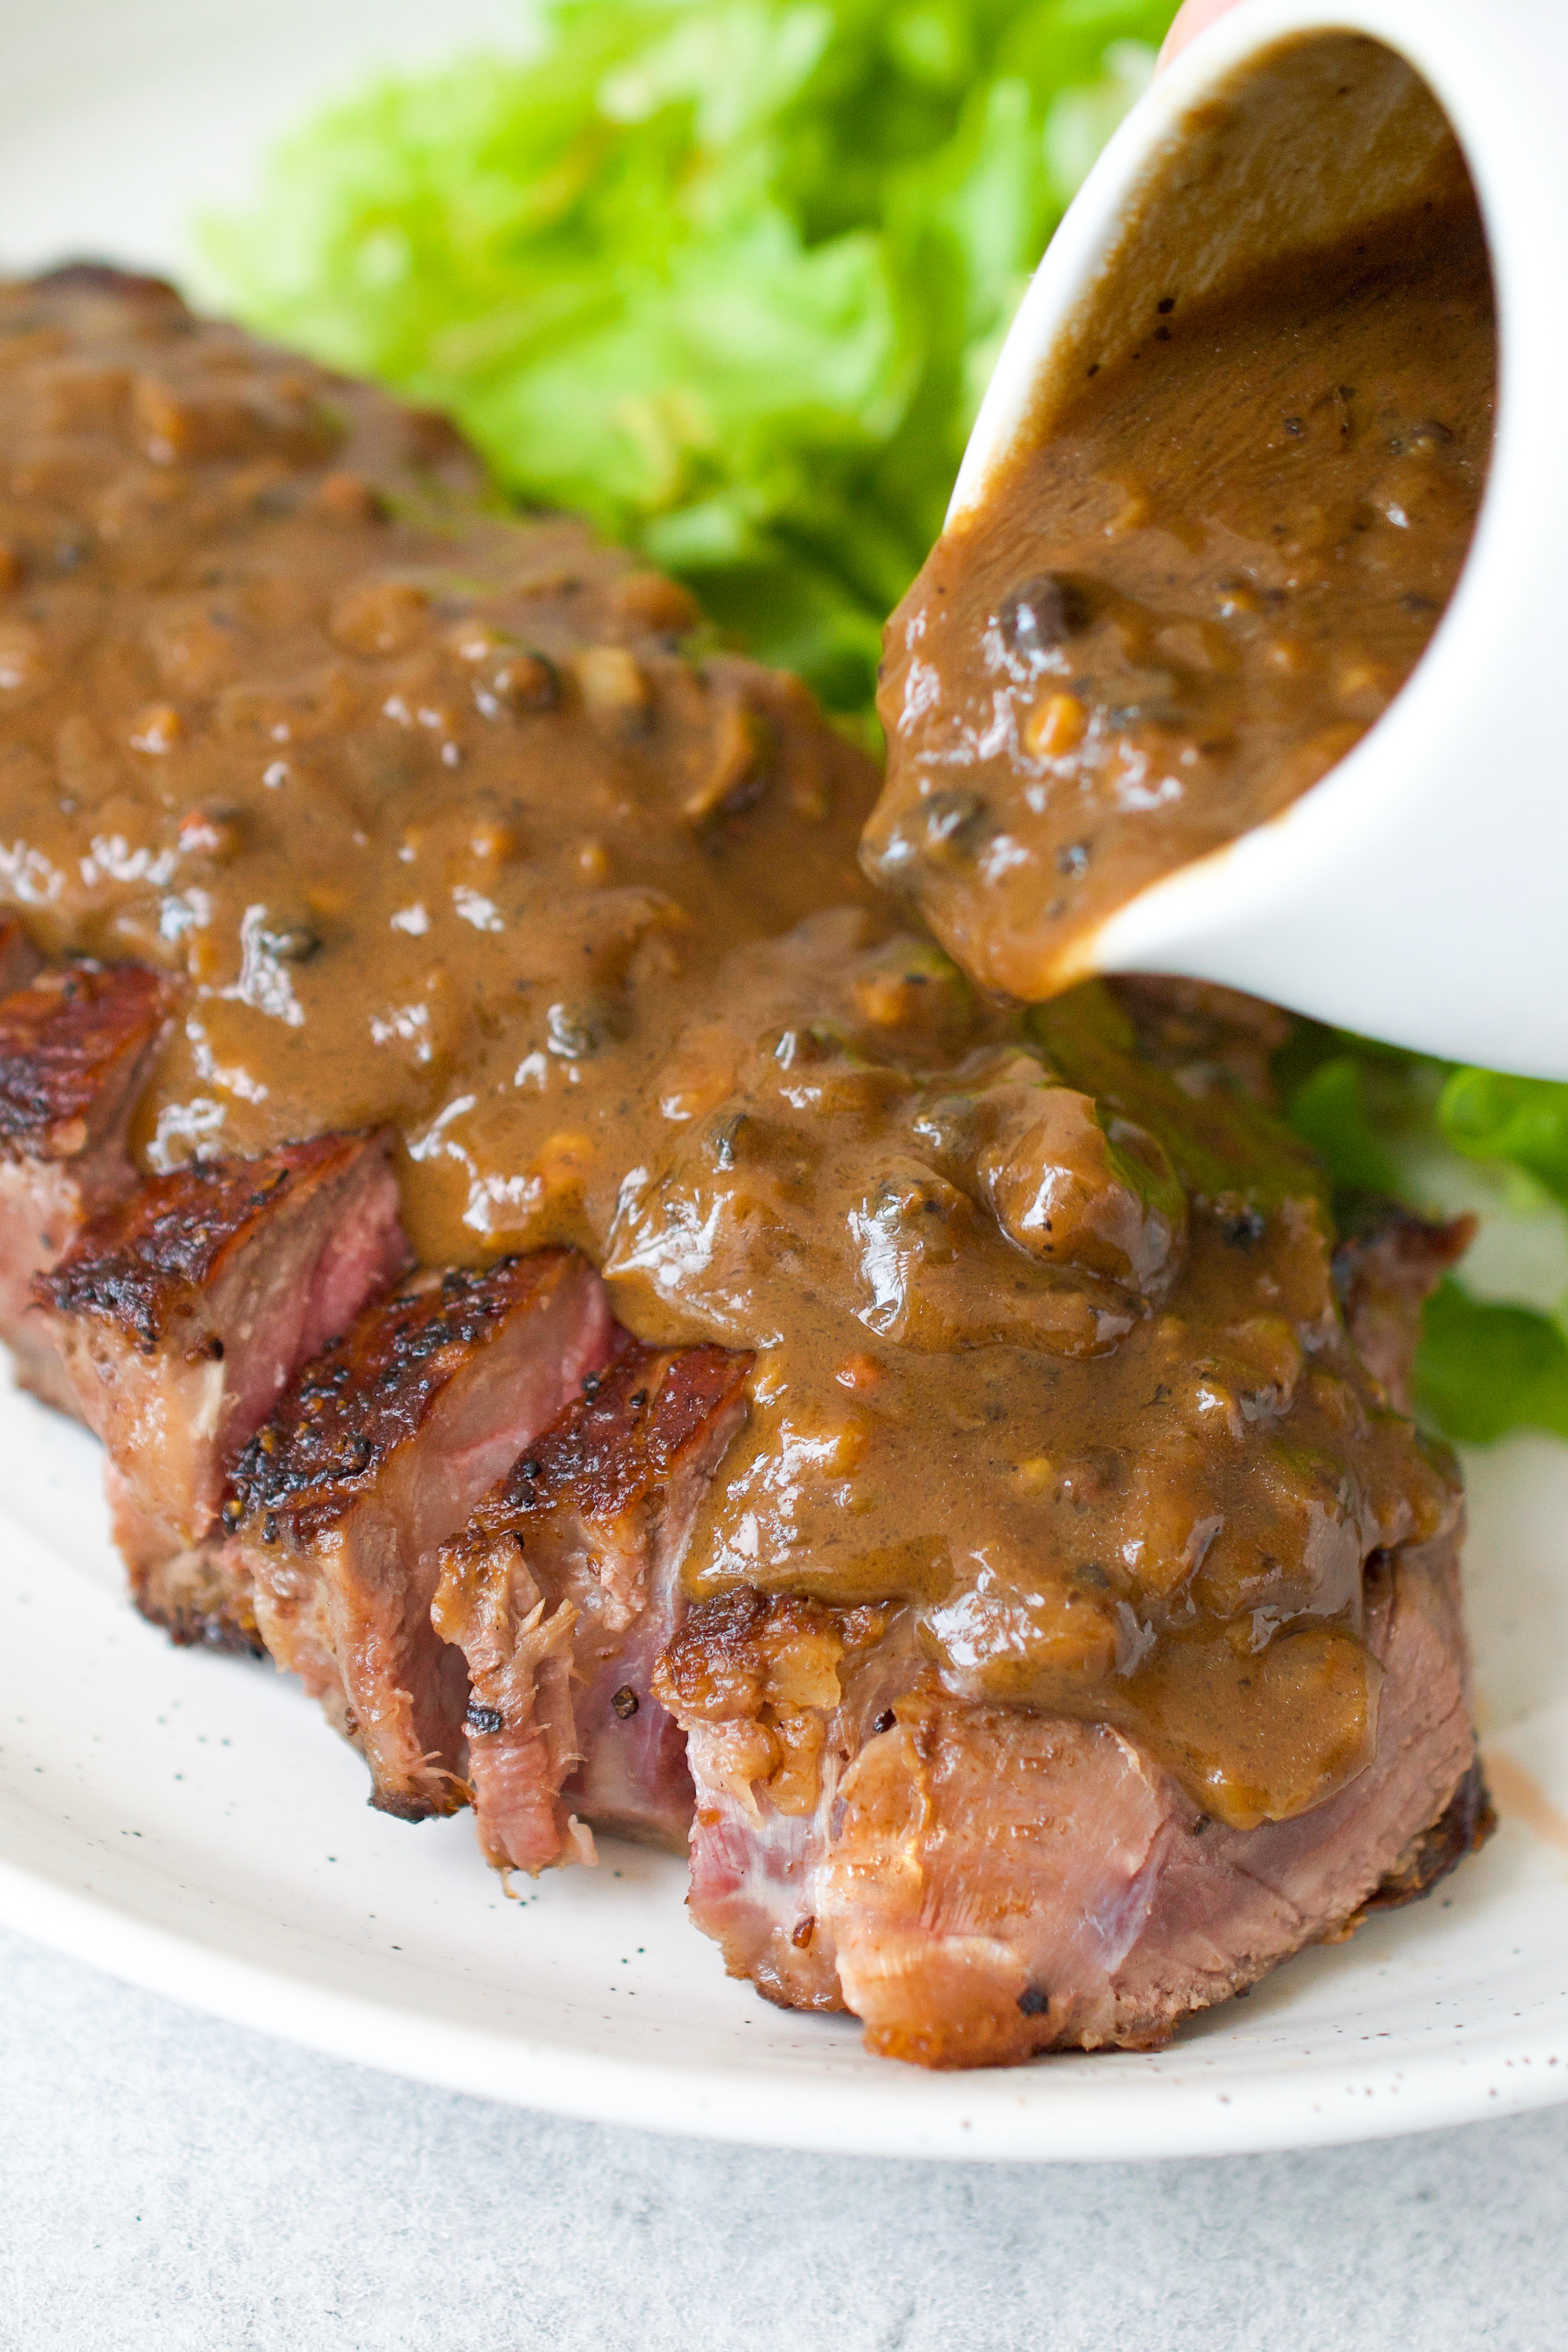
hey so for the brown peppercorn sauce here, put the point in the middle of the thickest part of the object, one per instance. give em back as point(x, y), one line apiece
point(447, 820)
point(1182, 604)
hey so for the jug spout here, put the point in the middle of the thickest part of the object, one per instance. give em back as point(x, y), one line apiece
point(1236, 657)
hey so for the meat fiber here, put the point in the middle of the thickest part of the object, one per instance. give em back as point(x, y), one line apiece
point(201, 1597)
point(75, 1045)
point(980, 1884)
point(776, 1695)
point(1385, 1265)
point(377, 1455)
point(568, 1575)
point(182, 1313)
point(19, 958)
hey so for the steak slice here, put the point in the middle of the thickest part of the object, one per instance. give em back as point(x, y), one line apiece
point(569, 1572)
point(19, 958)
point(1231, 1904)
point(980, 1884)
point(182, 1314)
point(75, 1045)
point(201, 1596)
point(1386, 1264)
point(374, 1456)
point(777, 1694)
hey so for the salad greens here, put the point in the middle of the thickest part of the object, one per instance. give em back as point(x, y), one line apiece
point(1403, 1125)
point(729, 276)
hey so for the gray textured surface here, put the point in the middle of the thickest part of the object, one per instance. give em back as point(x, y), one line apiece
point(170, 2183)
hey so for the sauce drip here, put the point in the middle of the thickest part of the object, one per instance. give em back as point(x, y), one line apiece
point(1180, 607)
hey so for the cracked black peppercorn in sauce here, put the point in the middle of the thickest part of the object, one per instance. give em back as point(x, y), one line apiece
point(445, 822)
point(1188, 592)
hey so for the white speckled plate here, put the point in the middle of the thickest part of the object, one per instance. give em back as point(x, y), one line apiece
point(186, 1820)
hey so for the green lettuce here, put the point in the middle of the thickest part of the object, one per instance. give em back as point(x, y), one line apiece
point(1405, 1126)
point(729, 276)
point(1486, 1367)
point(1517, 1122)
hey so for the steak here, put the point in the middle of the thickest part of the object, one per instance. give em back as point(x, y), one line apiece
point(777, 1694)
point(19, 958)
point(182, 1313)
point(980, 1884)
point(75, 1045)
point(568, 1574)
point(201, 1597)
point(374, 1456)
point(1387, 1264)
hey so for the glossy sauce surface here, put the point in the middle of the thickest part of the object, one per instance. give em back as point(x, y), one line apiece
point(435, 812)
point(446, 821)
point(1184, 602)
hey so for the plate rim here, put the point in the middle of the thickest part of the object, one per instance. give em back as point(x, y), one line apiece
point(1063, 2109)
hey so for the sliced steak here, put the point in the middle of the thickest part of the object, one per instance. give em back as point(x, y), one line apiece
point(1386, 1264)
point(568, 1574)
point(74, 1048)
point(182, 1314)
point(19, 958)
point(980, 1884)
point(776, 1695)
point(1231, 1904)
point(201, 1596)
point(377, 1455)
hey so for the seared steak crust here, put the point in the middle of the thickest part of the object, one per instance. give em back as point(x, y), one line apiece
point(1463, 1827)
point(363, 1400)
point(108, 277)
point(1209, 1036)
point(619, 1443)
point(200, 1601)
point(375, 1456)
point(182, 1313)
point(144, 1264)
point(74, 1048)
point(562, 1590)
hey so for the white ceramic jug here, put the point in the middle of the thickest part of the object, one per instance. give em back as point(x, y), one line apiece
point(1419, 892)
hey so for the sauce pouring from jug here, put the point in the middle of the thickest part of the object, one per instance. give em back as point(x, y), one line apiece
point(1238, 657)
